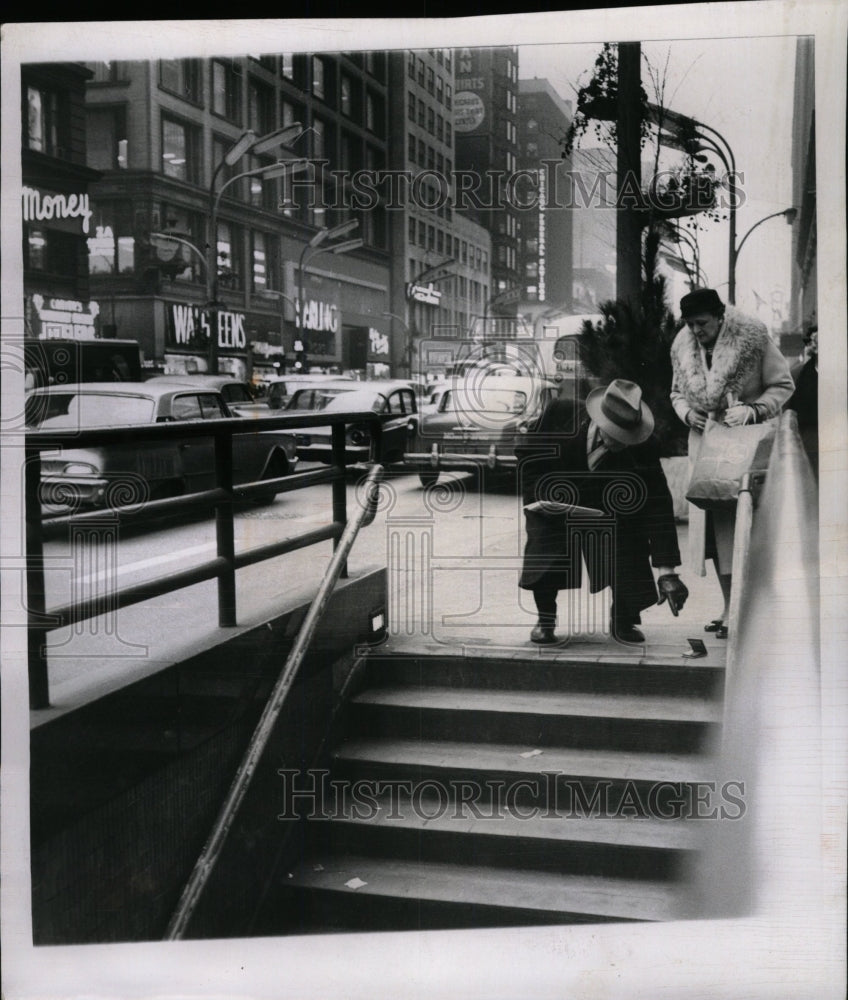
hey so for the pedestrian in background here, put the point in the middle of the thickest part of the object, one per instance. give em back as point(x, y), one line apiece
point(611, 452)
point(805, 399)
point(725, 367)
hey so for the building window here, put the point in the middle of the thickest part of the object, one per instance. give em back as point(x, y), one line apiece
point(422, 233)
point(220, 148)
point(105, 72)
point(287, 65)
point(189, 226)
point(410, 106)
point(226, 89)
point(431, 80)
point(464, 257)
point(447, 59)
point(229, 255)
point(106, 137)
point(373, 114)
point(111, 245)
point(410, 65)
point(440, 241)
point(260, 108)
point(410, 147)
point(440, 163)
point(261, 193)
point(420, 72)
point(43, 122)
point(411, 230)
point(346, 95)
point(50, 251)
point(422, 153)
point(287, 114)
point(422, 113)
point(318, 77)
point(431, 121)
point(318, 139)
point(431, 238)
point(440, 128)
point(262, 273)
point(448, 96)
point(375, 63)
point(181, 76)
point(180, 151)
point(440, 90)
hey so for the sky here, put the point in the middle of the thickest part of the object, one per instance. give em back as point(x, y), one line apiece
point(743, 88)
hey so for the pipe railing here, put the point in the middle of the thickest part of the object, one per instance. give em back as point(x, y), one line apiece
point(42, 620)
point(212, 850)
point(765, 857)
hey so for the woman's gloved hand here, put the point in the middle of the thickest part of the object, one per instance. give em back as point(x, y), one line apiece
point(672, 589)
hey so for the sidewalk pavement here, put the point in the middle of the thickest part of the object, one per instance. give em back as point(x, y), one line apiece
point(483, 612)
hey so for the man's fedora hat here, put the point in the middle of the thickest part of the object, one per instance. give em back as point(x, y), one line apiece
point(701, 300)
point(619, 411)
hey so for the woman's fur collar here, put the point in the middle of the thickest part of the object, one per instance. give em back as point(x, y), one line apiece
point(738, 350)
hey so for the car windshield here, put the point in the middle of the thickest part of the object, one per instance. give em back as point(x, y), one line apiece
point(486, 400)
point(60, 410)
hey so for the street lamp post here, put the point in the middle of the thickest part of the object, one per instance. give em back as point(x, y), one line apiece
point(788, 213)
point(313, 248)
point(409, 340)
point(248, 142)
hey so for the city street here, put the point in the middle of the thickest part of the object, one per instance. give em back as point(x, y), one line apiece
point(467, 596)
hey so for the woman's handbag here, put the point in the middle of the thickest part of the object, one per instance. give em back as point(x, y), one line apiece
point(725, 455)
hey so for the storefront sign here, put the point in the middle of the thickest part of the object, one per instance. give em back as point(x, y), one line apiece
point(65, 319)
point(43, 206)
point(423, 293)
point(188, 326)
point(317, 315)
point(378, 343)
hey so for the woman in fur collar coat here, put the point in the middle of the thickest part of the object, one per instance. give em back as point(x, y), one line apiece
point(725, 366)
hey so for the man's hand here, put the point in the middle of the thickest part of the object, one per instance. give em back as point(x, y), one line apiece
point(696, 420)
point(739, 415)
point(672, 589)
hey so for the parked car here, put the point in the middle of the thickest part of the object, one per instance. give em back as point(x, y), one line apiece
point(478, 421)
point(238, 396)
point(431, 401)
point(132, 472)
point(394, 401)
point(280, 390)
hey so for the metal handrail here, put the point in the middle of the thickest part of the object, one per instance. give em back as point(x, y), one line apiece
point(221, 497)
point(212, 850)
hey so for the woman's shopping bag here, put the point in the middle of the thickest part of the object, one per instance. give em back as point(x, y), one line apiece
point(725, 455)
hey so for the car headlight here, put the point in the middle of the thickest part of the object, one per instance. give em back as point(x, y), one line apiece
point(358, 435)
point(80, 469)
point(523, 427)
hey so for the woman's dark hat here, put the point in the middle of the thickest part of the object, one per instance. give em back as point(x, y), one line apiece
point(701, 300)
point(619, 411)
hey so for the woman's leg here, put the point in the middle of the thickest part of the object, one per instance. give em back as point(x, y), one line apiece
point(724, 580)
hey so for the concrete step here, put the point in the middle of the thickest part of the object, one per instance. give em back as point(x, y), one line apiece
point(411, 895)
point(429, 828)
point(526, 773)
point(600, 674)
point(651, 722)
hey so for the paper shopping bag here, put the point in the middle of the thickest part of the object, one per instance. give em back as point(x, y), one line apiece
point(725, 455)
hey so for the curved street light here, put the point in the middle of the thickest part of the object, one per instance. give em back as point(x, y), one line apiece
point(247, 142)
point(788, 213)
point(313, 248)
point(409, 339)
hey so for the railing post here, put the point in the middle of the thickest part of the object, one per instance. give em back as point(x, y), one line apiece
point(37, 628)
point(224, 530)
point(339, 484)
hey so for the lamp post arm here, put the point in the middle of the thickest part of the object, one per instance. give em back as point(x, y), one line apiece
point(183, 242)
point(773, 215)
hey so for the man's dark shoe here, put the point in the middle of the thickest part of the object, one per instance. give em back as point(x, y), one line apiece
point(543, 635)
point(628, 633)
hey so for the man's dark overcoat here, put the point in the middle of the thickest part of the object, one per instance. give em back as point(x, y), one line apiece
point(629, 487)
